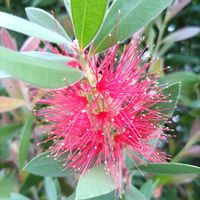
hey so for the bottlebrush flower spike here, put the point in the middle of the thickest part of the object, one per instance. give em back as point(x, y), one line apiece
point(108, 115)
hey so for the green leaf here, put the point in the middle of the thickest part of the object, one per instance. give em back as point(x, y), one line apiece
point(94, 183)
point(134, 194)
point(71, 197)
point(48, 56)
point(43, 165)
point(39, 72)
point(87, 17)
point(124, 18)
point(148, 188)
point(8, 184)
point(181, 59)
point(43, 3)
point(183, 77)
point(9, 131)
point(29, 28)
point(58, 188)
point(170, 168)
point(17, 196)
point(46, 20)
point(109, 196)
point(68, 7)
point(50, 188)
point(172, 94)
point(189, 84)
point(4, 150)
point(164, 179)
point(31, 180)
point(25, 140)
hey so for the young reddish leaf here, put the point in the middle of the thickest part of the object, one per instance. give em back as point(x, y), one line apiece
point(177, 7)
point(9, 104)
point(31, 44)
point(6, 40)
point(182, 34)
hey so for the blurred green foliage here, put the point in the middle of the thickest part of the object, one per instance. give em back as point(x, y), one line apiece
point(184, 59)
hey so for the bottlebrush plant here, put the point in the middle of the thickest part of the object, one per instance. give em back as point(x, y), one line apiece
point(102, 112)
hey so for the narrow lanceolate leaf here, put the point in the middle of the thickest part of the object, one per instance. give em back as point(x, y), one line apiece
point(44, 165)
point(126, 17)
point(31, 44)
point(172, 93)
point(9, 131)
point(37, 71)
point(25, 140)
point(182, 34)
point(68, 7)
point(148, 188)
point(183, 77)
point(6, 40)
point(49, 56)
point(17, 196)
point(50, 188)
point(29, 28)
point(101, 184)
point(170, 168)
point(87, 17)
point(9, 104)
point(46, 20)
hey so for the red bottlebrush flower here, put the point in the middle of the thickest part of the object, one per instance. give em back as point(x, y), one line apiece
point(108, 115)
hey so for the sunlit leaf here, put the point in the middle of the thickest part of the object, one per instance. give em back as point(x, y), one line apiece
point(87, 17)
